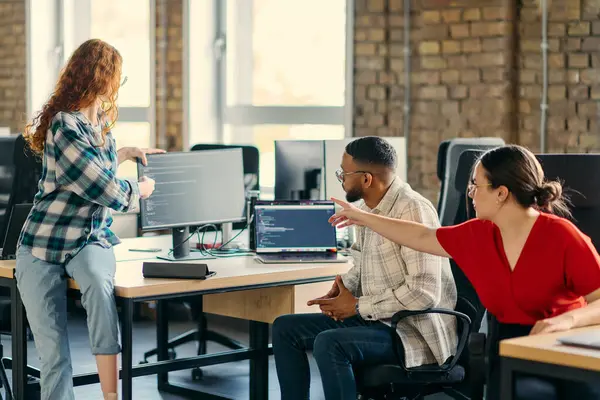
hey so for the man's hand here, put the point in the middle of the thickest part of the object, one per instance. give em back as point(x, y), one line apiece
point(342, 306)
point(333, 292)
point(133, 153)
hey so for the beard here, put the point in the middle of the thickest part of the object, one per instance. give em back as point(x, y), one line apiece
point(354, 195)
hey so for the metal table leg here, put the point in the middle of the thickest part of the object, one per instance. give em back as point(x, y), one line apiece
point(19, 344)
point(259, 365)
point(127, 344)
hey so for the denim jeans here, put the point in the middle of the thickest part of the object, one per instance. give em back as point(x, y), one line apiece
point(43, 288)
point(337, 347)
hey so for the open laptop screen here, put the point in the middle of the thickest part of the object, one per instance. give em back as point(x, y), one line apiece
point(294, 226)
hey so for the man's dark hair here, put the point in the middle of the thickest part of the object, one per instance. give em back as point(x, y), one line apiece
point(372, 150)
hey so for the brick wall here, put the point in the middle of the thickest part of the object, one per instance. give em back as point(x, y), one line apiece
point(173, 138)
point(463, 55)
point(13, 89)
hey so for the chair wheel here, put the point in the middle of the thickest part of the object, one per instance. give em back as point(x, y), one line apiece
point(172, 354)
point(197, 374)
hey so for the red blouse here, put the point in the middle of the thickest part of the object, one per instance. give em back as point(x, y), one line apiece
point(557, 266)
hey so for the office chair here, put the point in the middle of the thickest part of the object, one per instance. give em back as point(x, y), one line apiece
point(464, 377)
point(201, 334)
point(27, 173)
point(447, 167)
point(7, 173)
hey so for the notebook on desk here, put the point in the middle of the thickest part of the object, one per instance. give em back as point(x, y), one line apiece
point(295, 232)
point(588, 339)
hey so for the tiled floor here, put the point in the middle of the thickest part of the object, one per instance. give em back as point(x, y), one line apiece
point(229, 380)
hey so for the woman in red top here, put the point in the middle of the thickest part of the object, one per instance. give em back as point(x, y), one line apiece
point(534, 271)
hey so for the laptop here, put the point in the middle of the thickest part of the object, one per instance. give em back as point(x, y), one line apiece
point(589, 340)
point(17, 218)
point(295, 232)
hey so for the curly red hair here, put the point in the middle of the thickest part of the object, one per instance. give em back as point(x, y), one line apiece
point(93, 70)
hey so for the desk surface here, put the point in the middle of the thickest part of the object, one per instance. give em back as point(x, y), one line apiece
point(547, 349)
point(231, 272)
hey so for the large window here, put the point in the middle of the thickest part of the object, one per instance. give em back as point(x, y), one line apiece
point(282, 71)
point(129, 27)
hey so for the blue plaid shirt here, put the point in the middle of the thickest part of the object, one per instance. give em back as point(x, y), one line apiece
point(77, 190)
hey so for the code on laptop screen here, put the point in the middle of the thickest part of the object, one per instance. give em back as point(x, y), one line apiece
point(302, 227)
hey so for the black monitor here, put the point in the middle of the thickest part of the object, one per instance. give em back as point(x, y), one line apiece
point(580, 176)
point(299, 167)
point(192, 189)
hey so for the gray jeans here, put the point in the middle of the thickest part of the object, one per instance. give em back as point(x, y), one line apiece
point(43, 288)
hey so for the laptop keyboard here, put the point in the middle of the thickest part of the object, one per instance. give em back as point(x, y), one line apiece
point(300, 256)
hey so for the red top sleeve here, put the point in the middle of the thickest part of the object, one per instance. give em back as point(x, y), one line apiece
point(582, 263)
point(463, 241)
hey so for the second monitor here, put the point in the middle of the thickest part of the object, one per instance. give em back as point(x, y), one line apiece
point(192, 189)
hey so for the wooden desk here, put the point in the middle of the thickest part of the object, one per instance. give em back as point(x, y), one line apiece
point(266, 291)
point(544, 356)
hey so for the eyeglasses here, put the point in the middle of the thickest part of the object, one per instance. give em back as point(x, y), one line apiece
point(341, 175)
point(472, 186)
point(124, 81)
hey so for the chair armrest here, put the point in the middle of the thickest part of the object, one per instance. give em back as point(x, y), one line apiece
point(464, 320)
point(477, 364)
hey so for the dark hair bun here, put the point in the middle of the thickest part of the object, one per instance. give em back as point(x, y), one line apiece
point(548, 193)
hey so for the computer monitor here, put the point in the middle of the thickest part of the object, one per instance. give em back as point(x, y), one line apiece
point(192, 189)
point(298, 169)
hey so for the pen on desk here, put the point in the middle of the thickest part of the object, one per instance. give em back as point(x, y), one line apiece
point(153, 250)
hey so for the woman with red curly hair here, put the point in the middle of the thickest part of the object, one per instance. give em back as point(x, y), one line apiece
point(67, 233)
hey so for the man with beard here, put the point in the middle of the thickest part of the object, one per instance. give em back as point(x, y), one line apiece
point(353, 326)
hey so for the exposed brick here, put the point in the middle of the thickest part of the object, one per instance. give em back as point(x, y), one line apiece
point(590, 44)
point(486, 59)
point(433, 62)
point(457, 61)
point(471, 45)
point(565, 11)
point(494, 75)
point(472, 14)
point(590, 77)
point(376, 92)
point(555, 29)
point(578, 60)
point(376, 35)
point(595, 93)
point(579, 28)
point(432, 92)
point(451, 47)
point(425, 77)
point(451, 16)
point(458, 92)
point(496, 44)
point(526, 76)
point(596, 28)
point(429, 47)
point(572, 44)
point(365, 77)
point(470, 76)
point(556, 60)
point(459, 31)
point(386, 78)
point(494, 13)
point(450, 76)
point(579, 92)
point(365, 49)
point(482, 29)
point(430, 17)
point(375, 5)
point(556, 92)
point(587, 109)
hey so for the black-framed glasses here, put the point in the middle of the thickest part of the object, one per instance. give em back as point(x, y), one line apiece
point(341, 175)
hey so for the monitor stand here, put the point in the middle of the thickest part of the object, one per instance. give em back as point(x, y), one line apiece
point(226, 236)
point(181, 250)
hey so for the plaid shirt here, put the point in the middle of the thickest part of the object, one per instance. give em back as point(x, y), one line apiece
point(387, 278)
point(77, 189)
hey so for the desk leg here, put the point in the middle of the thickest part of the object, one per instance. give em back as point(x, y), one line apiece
point(126, 354)
point(162, 339)
point(19, 345)
point(259, 365)
point(506, 379)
